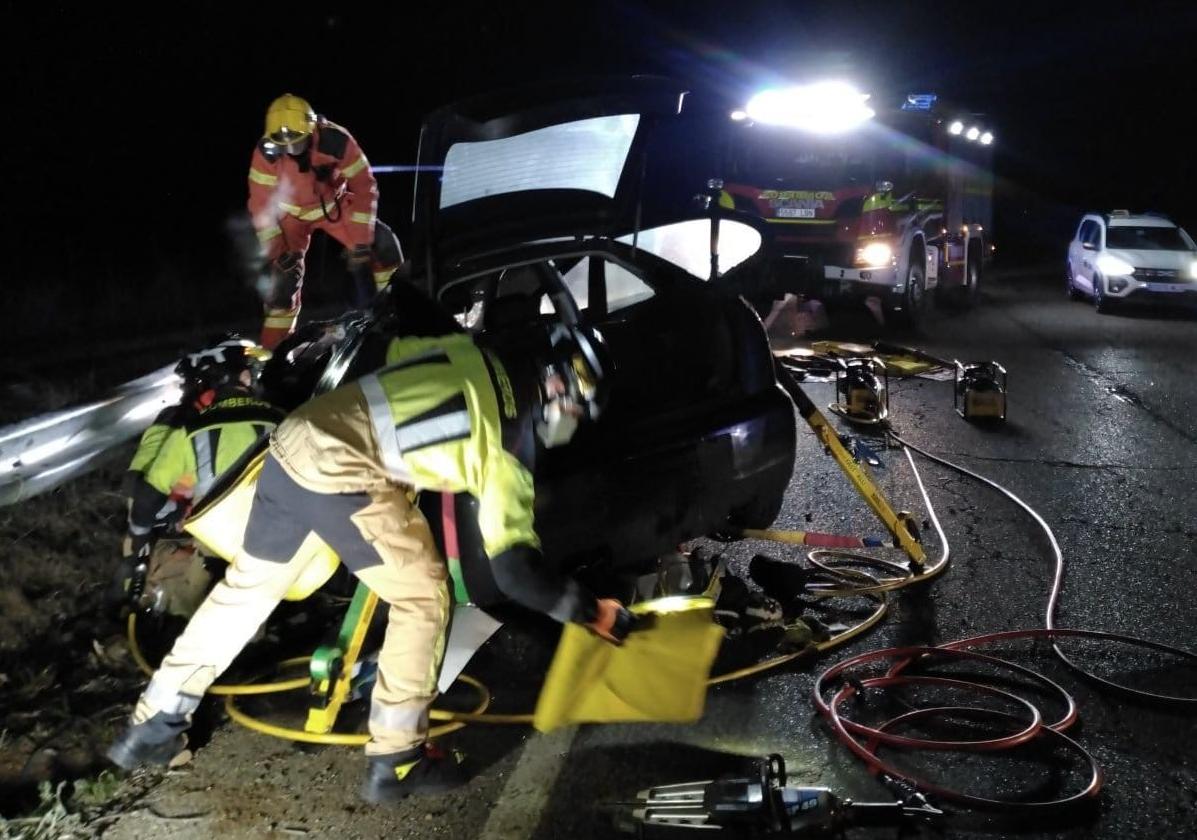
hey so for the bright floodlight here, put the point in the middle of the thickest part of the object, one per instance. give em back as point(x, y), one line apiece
point(973, 133)
point(987, 138)
point(824, 108)
point(738, 115)
point(956, 127)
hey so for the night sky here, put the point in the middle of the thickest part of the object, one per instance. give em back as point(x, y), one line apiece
point(129, 135)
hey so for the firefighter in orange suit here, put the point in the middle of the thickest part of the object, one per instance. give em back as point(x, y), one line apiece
point(310, 174)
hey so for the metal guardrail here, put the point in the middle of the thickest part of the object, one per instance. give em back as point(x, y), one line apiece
point(44, 452)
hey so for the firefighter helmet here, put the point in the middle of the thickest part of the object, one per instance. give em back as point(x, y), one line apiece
point(221, 364)
point(289, 120)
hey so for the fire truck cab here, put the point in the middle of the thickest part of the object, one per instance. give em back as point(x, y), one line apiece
point(897, 206)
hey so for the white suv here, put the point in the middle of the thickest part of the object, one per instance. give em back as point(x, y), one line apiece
point(1115, 257)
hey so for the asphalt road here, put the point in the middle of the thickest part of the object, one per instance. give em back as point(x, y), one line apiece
point(1100, 440)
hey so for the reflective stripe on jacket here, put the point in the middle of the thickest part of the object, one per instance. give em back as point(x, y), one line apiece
point(194, 455)
point(438, 419)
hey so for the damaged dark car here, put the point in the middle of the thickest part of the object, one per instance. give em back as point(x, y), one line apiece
point(539, 207)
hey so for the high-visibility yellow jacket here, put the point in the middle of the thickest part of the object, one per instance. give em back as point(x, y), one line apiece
point(442, 415)
point(438, 414)
point(151, 442)
point(193, 455)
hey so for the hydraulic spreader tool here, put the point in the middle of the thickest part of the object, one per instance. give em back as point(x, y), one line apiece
point(764, 805)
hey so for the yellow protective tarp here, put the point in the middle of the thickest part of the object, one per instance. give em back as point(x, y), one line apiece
point(659, 674)
point(220, 527)
point(898, 364)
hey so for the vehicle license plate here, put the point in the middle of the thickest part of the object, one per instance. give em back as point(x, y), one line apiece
point(795, 212)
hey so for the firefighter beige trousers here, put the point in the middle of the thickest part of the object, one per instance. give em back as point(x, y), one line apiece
point(378, 535)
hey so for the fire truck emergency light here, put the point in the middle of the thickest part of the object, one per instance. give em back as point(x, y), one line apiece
point(823, 108)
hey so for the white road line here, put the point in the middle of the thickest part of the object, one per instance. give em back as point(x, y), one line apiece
point(524, 797)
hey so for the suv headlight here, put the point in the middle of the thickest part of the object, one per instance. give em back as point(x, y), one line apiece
point(1193, 269)
point(1114, 267)
point(875, 255)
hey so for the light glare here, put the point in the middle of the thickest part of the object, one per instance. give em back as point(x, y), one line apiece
point(823, 108)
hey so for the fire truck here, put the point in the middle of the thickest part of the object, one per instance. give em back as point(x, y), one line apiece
point(894, 204)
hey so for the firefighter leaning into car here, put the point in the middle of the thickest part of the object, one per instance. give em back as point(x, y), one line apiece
point(443, 415)
point(219, 419)
point(309, 174)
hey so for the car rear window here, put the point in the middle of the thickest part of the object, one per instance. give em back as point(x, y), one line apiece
point(623, 287)
point(1135, 238)
point(582, 155)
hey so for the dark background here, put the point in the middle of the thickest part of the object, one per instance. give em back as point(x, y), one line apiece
point(129, 133)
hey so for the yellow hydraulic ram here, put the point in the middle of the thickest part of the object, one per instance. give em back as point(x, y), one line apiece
point(902, 527)
point(332, 666)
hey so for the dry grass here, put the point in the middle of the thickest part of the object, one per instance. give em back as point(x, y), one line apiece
point(57, 693)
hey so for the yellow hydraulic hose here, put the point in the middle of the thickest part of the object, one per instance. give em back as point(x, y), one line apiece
point(859, 583)
point(358, 739)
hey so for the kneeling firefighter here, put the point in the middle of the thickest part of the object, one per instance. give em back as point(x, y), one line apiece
point(443, 415)
point(185, 450)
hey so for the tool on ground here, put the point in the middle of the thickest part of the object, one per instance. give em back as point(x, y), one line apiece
point(862, 387)
point(980, 392)
point(765, 805)
point(901, 526)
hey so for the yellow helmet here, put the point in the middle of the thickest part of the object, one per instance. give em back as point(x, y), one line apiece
point(289, 119)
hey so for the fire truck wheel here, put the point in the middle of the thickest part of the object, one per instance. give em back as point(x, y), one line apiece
point(972, 281)
point(914, 299)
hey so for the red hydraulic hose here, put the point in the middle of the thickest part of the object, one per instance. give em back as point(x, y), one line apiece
point(838, 684)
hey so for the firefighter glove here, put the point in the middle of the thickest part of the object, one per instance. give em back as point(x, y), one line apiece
point(612, 621)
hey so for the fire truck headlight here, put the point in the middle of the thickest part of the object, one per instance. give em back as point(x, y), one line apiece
point(1111, 266)
point(956, 128)
point(875, 255)
point(824, 108)
point(973, 133)
point(986, 138)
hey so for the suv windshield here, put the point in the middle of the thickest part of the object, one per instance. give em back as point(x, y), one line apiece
point(1146, 238)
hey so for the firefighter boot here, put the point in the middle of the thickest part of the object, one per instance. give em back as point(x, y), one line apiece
point(154, 741)
point(426, 769)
